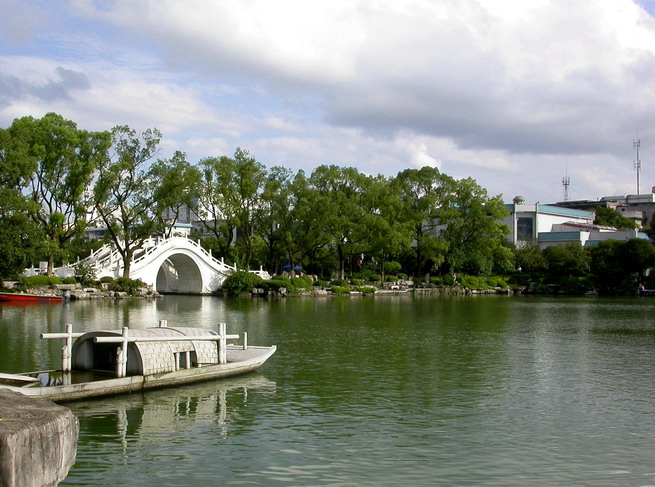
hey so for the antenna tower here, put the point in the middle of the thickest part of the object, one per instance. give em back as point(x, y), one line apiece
point(636, 143)
point(566, 182)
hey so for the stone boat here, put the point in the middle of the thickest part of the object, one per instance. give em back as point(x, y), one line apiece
point(101, 363)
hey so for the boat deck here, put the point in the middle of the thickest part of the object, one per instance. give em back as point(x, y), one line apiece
point(236, 353)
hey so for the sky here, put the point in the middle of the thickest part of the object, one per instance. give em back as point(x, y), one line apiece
point(516, 94)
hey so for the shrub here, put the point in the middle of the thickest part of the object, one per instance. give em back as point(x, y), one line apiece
point(84, 273)
point(575, 285)
point(241, 282)
point(278, 282)
point(448, 280)
point(340, 290)
point(340, 283)
point(366, 289)
point(393, 267)
point(126, 285)
point(106, 279)
point(497, 281)
point(69, 280)
point(473, 282)
point(302, 282)
point(402, 275)
point(34, 281)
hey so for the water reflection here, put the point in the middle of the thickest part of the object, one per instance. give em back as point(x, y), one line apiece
point(394, 391)
point(153, 426)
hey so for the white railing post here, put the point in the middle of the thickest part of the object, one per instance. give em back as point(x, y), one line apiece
point(222, 343)
point(66, 350)
point(245, 340)
point(121, 355)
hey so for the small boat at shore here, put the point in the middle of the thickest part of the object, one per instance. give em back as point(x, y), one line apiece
point(30, 298)
point(102, 363)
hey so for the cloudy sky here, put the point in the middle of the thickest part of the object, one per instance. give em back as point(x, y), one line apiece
point(516, 94)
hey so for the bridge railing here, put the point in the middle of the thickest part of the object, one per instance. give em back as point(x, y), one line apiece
point(106, 259)
point(154, 245)
point(100, 260)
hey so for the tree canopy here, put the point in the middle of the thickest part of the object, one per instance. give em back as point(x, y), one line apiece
point(55, 179)
point(611, 218)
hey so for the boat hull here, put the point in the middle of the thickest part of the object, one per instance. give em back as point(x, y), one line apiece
point(239, 362)
point(29, 298)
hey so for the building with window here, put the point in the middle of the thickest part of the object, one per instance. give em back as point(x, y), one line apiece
point(555, 225)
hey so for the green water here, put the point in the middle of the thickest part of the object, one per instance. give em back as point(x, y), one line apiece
point(462, 391)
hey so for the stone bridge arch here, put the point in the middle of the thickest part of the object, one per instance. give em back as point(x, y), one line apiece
point(179, 274)
point(173, 265)
point(180, 266)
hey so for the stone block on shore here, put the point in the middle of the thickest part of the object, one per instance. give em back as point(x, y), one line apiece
point(38, 441)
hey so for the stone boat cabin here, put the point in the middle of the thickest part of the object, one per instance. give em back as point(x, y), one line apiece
point(150, 354)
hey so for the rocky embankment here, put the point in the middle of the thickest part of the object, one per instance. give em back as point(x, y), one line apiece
point(77, 291)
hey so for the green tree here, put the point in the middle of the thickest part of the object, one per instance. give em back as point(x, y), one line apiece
point(473, 228)
point(618, 267)
point(422, 193)
point(388, 233)
point(229, 199)
point(178, 188)
point(124, 192)
point(20, 236)
point(638, 257)
point(243, 197)
point(63, 158)
point(611, 218)
point(567, 260)
point(530, 258)
point(342, 195)
point(274, 218)
point(210, 208)
point(301, 218)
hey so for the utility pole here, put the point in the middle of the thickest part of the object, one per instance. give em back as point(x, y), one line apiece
point(566, 182)
point(636, 143)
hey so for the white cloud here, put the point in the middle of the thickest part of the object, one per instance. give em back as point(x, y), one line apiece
point(506, 92)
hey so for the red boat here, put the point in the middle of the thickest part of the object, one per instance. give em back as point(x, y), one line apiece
point(29, 298)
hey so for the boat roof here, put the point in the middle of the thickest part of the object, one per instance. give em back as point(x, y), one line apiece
point(149, 357)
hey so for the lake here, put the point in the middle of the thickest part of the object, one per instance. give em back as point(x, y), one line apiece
point(369, 391)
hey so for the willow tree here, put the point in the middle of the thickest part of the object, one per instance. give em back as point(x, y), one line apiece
point(124, 192)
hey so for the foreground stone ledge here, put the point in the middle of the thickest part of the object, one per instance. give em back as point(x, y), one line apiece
point(38, 441)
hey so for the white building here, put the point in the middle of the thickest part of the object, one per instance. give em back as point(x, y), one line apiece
point(554, 225)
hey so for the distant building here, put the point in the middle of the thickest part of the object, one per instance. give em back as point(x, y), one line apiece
point(549, 225)
point(637, 207)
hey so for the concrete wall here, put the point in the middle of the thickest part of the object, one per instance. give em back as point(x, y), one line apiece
point(38, 441)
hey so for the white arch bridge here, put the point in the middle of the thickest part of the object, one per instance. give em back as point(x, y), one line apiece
point(172, 265)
